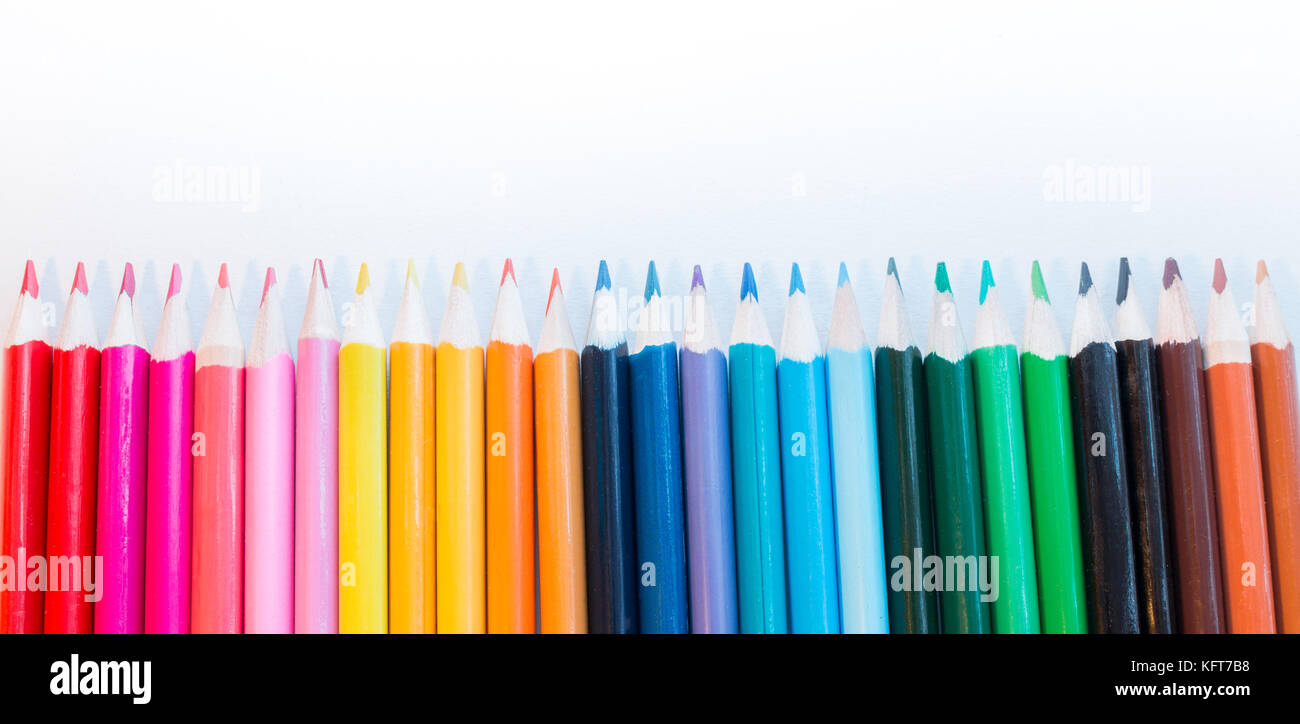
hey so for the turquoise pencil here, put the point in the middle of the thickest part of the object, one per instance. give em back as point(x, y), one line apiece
point(756, 468)
point(806, 470)
point(855, 468)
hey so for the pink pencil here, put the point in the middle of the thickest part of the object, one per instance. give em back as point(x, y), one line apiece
point(316, 513)
point(268, 472)
point(171, 467)
point(123, 448)
point(217, 574)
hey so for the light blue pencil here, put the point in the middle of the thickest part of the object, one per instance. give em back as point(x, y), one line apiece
point(855, 467)
point(806, 470)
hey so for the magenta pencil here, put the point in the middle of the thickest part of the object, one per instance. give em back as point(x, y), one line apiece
point(123, 448)
point(316, 469)
point(171, 468)
point(268, 471)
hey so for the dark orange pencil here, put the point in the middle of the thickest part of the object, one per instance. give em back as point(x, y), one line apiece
point(1273, 359)
point(1234, 441)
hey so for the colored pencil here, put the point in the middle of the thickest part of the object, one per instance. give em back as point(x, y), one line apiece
point(217, 567)
point(1138, 392)
point(412, 602)
point(459, 482)
point(268, 471)
point(511, 604)
point(1193, 519)
point(904, 449)
point(1110, 576)
point(28, 369)
point(610, 508)
point(806, 469)
point(169, 497)
point(316, 464)
point(558, 413)
point(855, 468)
point(74, 445)
point(123, 460)
point(1273, 361)
point(1005, 473)
point(1049, 446)
point(706, 455)
point(756, 468)
point(959, 520)
point(363, 467)
point(1238, 472)
point(657, 460)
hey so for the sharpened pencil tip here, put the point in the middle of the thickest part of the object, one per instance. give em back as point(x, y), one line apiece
point(174, 284)
point(223, 277)
point(128, 281)
point(986, 280)
point(270, 282)
point(697, 277)
point(1036, 281)
point(1220, 277)
point(1171, 272)
point(459, 277)
point(602, 277)
point(1085, 279)
point(363, 279)
point(1261, 271)
point(844, 275)
point(508, 272)
point(796, 280)
point(320, 269)
point(1125, 273)
point(555, 286)
point(412, 279)
point(652, 282)
point(892, 268)
point(79, 279)
point(30, 285)
point(748, 287)
point(941, 278)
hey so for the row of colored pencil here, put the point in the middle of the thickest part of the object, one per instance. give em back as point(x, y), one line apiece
point(1130, 482)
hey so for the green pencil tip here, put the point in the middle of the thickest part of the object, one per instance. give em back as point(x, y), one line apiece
point(986, 281)
point(941, 278)
point(1040, 289)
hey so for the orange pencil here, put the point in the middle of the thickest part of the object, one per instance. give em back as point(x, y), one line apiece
point(560, 542)
point(510, 604)
point(1273, 359)
point(1243, 539)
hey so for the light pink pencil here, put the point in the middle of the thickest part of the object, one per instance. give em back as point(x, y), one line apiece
point(268, 471)
point(123, 440)
point(316, 512)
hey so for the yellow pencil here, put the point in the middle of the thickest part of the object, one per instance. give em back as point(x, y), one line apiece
point(363, 468)
point(410, 448)
point(460, 482)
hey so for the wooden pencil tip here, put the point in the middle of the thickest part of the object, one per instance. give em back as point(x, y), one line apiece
point(602, 277)
point(459, 277)
point(30, 286)
point(844, 275)
point(796, 280)
point(320, 269)
point(128, 281)
point(79, 279)
point(412, 279)
point(1036, 281)
point(508, 272)
point(748, 287)
point(1085, 279)
point(174, 283)
point(941, 278)
point(652, 282)
point(986, 280)
point(1121, 289)
point(1220, 277)
point(270, 282)
point(1261, 272)
point(223, 277)
point(363, 279)
point(555, 287)
point(1171, 272)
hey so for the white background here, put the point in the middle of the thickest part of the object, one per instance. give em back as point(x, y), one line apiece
point(689, 133)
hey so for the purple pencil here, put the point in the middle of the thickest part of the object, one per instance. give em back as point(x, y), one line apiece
point(123, 437)
point(706, 447)
point(171, 469)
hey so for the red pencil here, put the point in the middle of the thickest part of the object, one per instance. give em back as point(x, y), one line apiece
point(74, 445)
point(27, 357)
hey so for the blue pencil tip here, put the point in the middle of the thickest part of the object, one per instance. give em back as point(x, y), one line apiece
point(697, 279)
point(748, 287)
point(844, 275)
point(796, 280)
point(602, 277)
point(892, 269)
point(941, 278)
point(652, 282)
point(986, 281)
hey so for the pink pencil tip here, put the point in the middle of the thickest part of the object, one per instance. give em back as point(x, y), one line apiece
point(320, 268)
point(270, 282)
point(1220, 277)
point(555, 286)
point(1261, 271)
point(508, 271)
point(174, 284)
point(223, 277)
point(128, 281)
point(30, 286)
point(79, 280)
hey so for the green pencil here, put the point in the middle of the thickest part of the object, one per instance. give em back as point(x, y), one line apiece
point(1050, 436)
point(958, 512)
point(1001, 425)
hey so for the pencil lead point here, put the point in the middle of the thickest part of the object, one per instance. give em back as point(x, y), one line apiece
point(128, 281)
point(1261, 272)
point(602, 277)
point(223, 277)
point(1171, 272)
point(1085, 279)
point(986, 280)
point(459, 277)
point(697, 277)
point(844, 275)
point(748, 287)
point(1036, 281)
point(79, 279)
point(1125, 273)
point(412, 279)
point(320, 269)
point(941, 278)
point(1220, 277)
point(508, 272)
point(555, 286)
point(30, 285)
point(363, 279)
point(174, 283)
point(892, 268)
point(652, 282)
point(270, 282)
point(796, 280)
